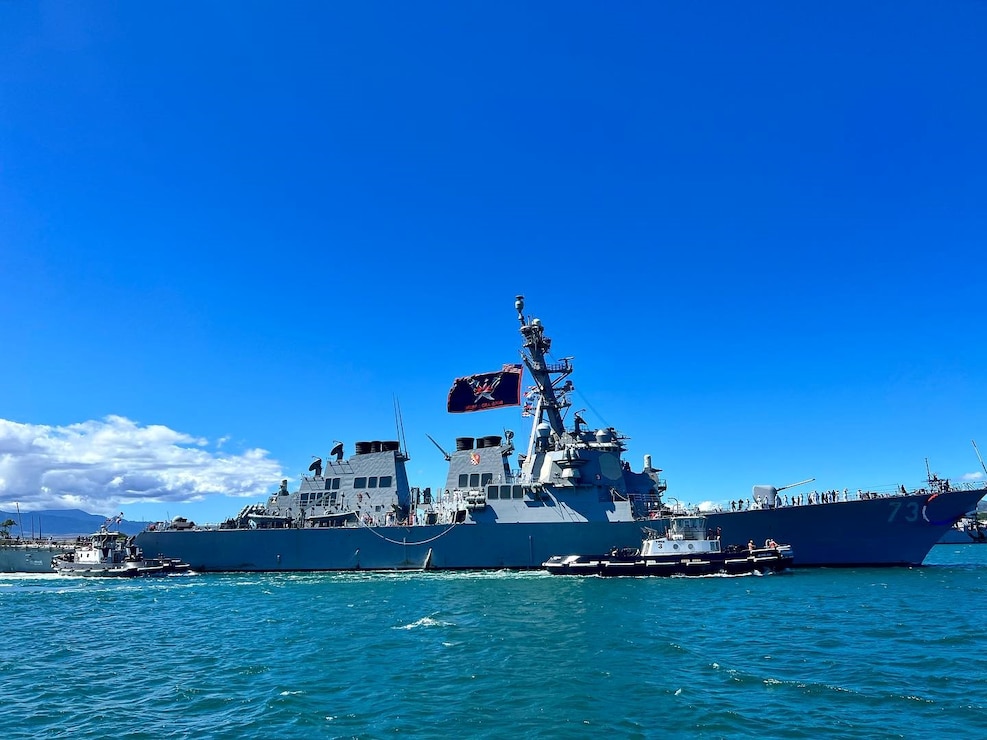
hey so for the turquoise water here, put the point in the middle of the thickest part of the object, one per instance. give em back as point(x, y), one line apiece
point(814, 653)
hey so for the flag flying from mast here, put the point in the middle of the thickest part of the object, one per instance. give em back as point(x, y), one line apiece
point(486, 391)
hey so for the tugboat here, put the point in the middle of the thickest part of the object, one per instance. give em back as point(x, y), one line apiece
point(967, 531)
point(686, 548)
point(113, 554)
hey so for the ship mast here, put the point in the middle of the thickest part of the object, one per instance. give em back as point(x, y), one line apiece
point(548, 414)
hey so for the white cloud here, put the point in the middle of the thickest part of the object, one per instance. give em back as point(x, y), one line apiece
point(973, 476)
point(104, 465)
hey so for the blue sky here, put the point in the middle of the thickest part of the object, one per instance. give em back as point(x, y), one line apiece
point(232, 233)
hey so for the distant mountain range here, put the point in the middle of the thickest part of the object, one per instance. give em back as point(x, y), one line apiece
point(62, 523)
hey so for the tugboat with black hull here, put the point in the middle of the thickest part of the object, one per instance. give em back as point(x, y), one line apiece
point(113, 554)
point(686, 548)
point(967, 531)
point(568, 491)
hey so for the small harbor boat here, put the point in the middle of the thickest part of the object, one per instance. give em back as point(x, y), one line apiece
point(686, 547)
point(113, 554)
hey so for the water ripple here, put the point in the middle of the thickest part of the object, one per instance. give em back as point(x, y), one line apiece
point(844, 653)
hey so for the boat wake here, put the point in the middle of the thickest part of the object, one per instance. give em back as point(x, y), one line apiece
point(424, 622)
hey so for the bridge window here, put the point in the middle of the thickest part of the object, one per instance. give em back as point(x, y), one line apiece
point(385, 481)
point(492, 492)
point(474, 480)
point(486, 478)
point(505, 491)
point(360, 482)
point(335, 484)
point(518, 492)
point(372, 483)
point(464, 480)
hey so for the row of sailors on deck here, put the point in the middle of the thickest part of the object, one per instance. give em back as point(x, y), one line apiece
point(813, 497)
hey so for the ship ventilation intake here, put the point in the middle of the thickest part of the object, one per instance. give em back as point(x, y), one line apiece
point(362, 448)
point(464, 443)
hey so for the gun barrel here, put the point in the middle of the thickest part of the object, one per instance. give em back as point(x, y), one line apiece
point(800, 483)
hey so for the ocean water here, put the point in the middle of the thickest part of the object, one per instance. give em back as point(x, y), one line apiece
point(813, 653)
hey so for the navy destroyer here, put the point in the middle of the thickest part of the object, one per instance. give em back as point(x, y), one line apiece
point(569, 490)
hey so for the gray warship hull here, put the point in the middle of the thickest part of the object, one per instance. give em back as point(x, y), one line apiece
point(29, 557)
point(887, 531)
point(569, 491)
